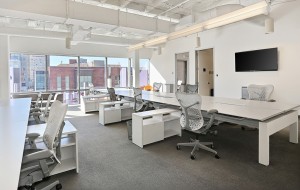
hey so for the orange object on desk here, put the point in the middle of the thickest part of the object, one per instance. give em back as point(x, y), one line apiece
point(148, 87)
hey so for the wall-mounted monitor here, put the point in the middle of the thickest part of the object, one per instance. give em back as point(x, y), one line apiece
point(257, 60)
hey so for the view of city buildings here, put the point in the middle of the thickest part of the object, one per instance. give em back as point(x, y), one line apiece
point(35, 73)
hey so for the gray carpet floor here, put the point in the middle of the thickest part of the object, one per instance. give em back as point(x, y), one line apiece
point(108, 160)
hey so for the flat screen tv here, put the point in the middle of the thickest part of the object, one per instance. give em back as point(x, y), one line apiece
point(257, 60)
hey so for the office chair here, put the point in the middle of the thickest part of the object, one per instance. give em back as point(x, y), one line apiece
point(112, 94)
point(58, 96)
point(179, 83)
point(192, 88)
point(157, 86)
point(41, 114)
point(192, 120)
point(260, 92)
point(139, 104)
point(37, 164)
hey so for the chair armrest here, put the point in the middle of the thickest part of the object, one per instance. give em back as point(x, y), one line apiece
point(35, 110)
point(36, 156)
point(32, 135)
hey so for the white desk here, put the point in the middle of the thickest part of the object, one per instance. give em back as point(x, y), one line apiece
point(13, 126)
point(268, 117)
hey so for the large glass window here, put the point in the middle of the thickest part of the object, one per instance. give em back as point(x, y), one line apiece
point(27, 72)
point(117, 70)
point(62, 75)
point(92, 70)
point(144, 71)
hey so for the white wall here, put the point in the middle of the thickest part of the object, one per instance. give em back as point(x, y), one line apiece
point(243, 36)
point(58, 47)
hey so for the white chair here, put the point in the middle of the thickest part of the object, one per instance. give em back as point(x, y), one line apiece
point(139, 104)
point(260, 92)
point(41, 114)
point(192, 120)
point(192, 88)
point(179, 83)
point(157, 86)
point(37, 164)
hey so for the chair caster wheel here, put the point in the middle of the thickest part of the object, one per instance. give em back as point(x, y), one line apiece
point(243, 128)
point(217, 156)
point(193, 157)
point(58, 186)
point(178, 147)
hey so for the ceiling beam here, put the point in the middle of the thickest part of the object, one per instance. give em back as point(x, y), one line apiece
point(124, 3)
point(79, 13)
point(153, 5)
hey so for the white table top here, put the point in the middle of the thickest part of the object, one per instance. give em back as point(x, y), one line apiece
point(40, 128)
point(13, 125)
point(251, 109)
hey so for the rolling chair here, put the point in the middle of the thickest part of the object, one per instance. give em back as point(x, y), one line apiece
point(41, 114)
point(112, 94)
point(260, 92)
point(139, 104)
point(37, 164)
point(157, 86)
point(192, 120)
point(192, 88)
point(179, 83)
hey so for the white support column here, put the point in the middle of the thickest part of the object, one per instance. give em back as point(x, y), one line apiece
point(4, 67)
point(136, 69)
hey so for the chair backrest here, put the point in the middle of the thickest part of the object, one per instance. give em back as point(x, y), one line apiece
point(192, 88)
point(138, 101)
point(191, 117)
point(260, 92)
point(55, 121)
point(157, 86)
point(112, 94)
point(48, 104)
point(91, 88)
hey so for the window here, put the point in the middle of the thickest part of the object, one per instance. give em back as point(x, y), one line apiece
point(117, 71)
point(58, 82)
point(144, 71)
point(67, 80)
point(63, 67)
point(62, 75)
point(92, 70)
point(27, 72)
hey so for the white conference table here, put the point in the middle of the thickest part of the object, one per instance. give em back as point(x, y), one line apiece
point(14, 115)
point(268, 117)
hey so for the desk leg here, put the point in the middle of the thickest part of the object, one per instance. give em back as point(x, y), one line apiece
point(294, 132)
point(263, 144)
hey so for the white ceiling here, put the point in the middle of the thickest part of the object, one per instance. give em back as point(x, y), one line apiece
point(122, 22)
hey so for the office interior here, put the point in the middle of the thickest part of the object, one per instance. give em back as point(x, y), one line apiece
point(77, 49)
